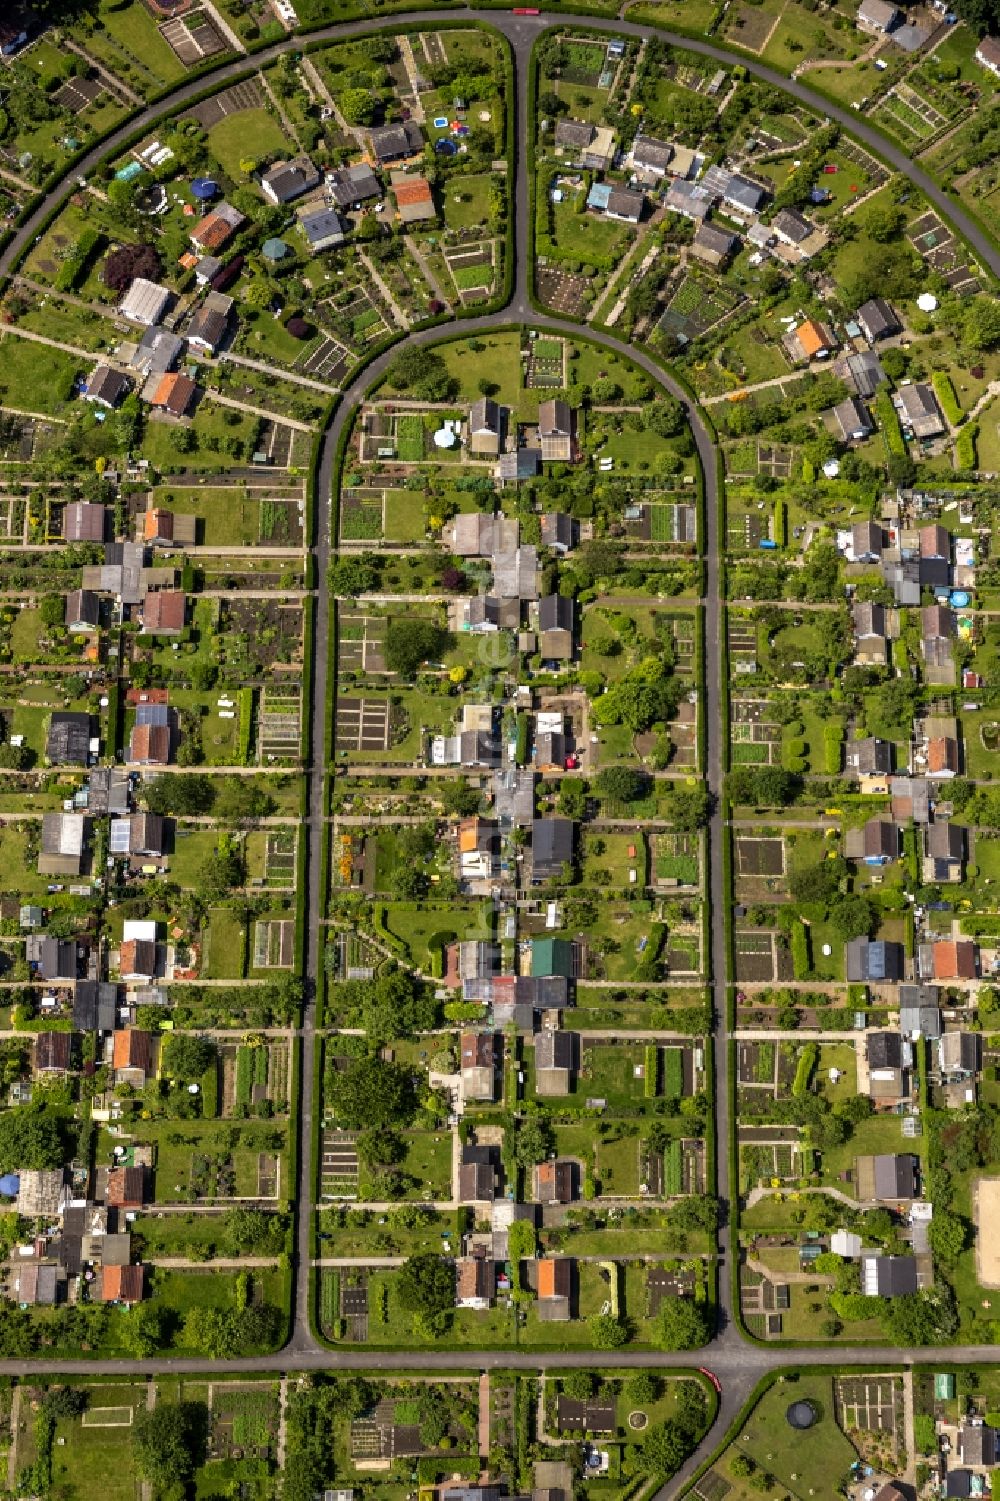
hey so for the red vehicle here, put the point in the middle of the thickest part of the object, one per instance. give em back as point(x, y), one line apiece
point(525, 10)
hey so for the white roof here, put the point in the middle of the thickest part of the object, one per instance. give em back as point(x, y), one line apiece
point(145, 301)
point(140, 932)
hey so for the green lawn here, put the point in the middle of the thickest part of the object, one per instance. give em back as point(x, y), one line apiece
point(404, 516)
point(132, 31)
point(88, 1456)
point(224, 956)
point(35, 378)
point(250, 134)
point(587, 237)
point(192, 847)
point(465, 214)
point(823, 1452)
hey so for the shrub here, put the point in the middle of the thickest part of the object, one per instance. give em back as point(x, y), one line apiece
point(72, 269)
point(833, 740)
point(808, 1058)
point(947, 399)
point(965, 448)
point(780, 522)
point(801, 961)
point(889, 422)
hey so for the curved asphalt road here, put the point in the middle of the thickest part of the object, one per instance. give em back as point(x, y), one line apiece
point(737, 1364)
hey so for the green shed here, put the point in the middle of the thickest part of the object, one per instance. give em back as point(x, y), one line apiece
point(552, 956)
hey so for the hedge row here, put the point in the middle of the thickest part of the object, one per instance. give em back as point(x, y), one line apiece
point(947, 399)
point(801, 964)
point(889, 423)
point(73, 268)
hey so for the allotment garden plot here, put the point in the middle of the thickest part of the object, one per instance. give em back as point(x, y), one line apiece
point(755, 740)
point(361, 642)
point(695, 306)
point(279, 724)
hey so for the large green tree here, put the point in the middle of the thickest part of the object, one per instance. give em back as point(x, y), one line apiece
point(681, 1325)
point(410, 643)
point(168, 1442)
point(371, 1093)
point(186, 1056)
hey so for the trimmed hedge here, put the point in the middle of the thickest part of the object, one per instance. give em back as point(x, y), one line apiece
point(965, 448)
point(72, 270)
point(947, 399)
point(808, 1059)
point(833, 741)
point(651, 1071)
point(889, 423)
point(801, 959)
point(781, 522)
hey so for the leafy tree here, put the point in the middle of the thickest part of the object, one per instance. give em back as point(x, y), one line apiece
point(924, 1318)
point(181, 795)
point(371, 1093)
point(123, 265)
point(168, 1442)
point(947, 1234)
point(681, 1325)
point(645, 695)
point(664, 1450)
point(396, 1004)
point(459, 797)
point(143, 1330)
point(641, 1388)
point(885, 222)
point(533, 1140)
point(239, 799)
point(607, 1332)
point(701, 1212)
point(690, 808)
point(579, 1385)
point(622, 784)
point(254, 1232)
point(665, 417)
point(422, 373)
point(768, 786)
point(358, 106)
point(186, 1056)
point(819, 882)
point(30, 1138)
point(981, 323)
point(852, 916)
point(426, 1284)
point(53, 610)
point(350, 577)
point(65, 1401)
point(219, 872)
point(409, 643)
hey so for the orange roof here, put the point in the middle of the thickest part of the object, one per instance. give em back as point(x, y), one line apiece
point(468, 833)
point(942, 754)
point(174, 392)
point(546, 1279)
point(811, 337)
point(417, 191)
point(158, 523)
point(131, 1047)
point(213, 232)
point(954, 961)
point(121, 1284)
point(150, 742)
